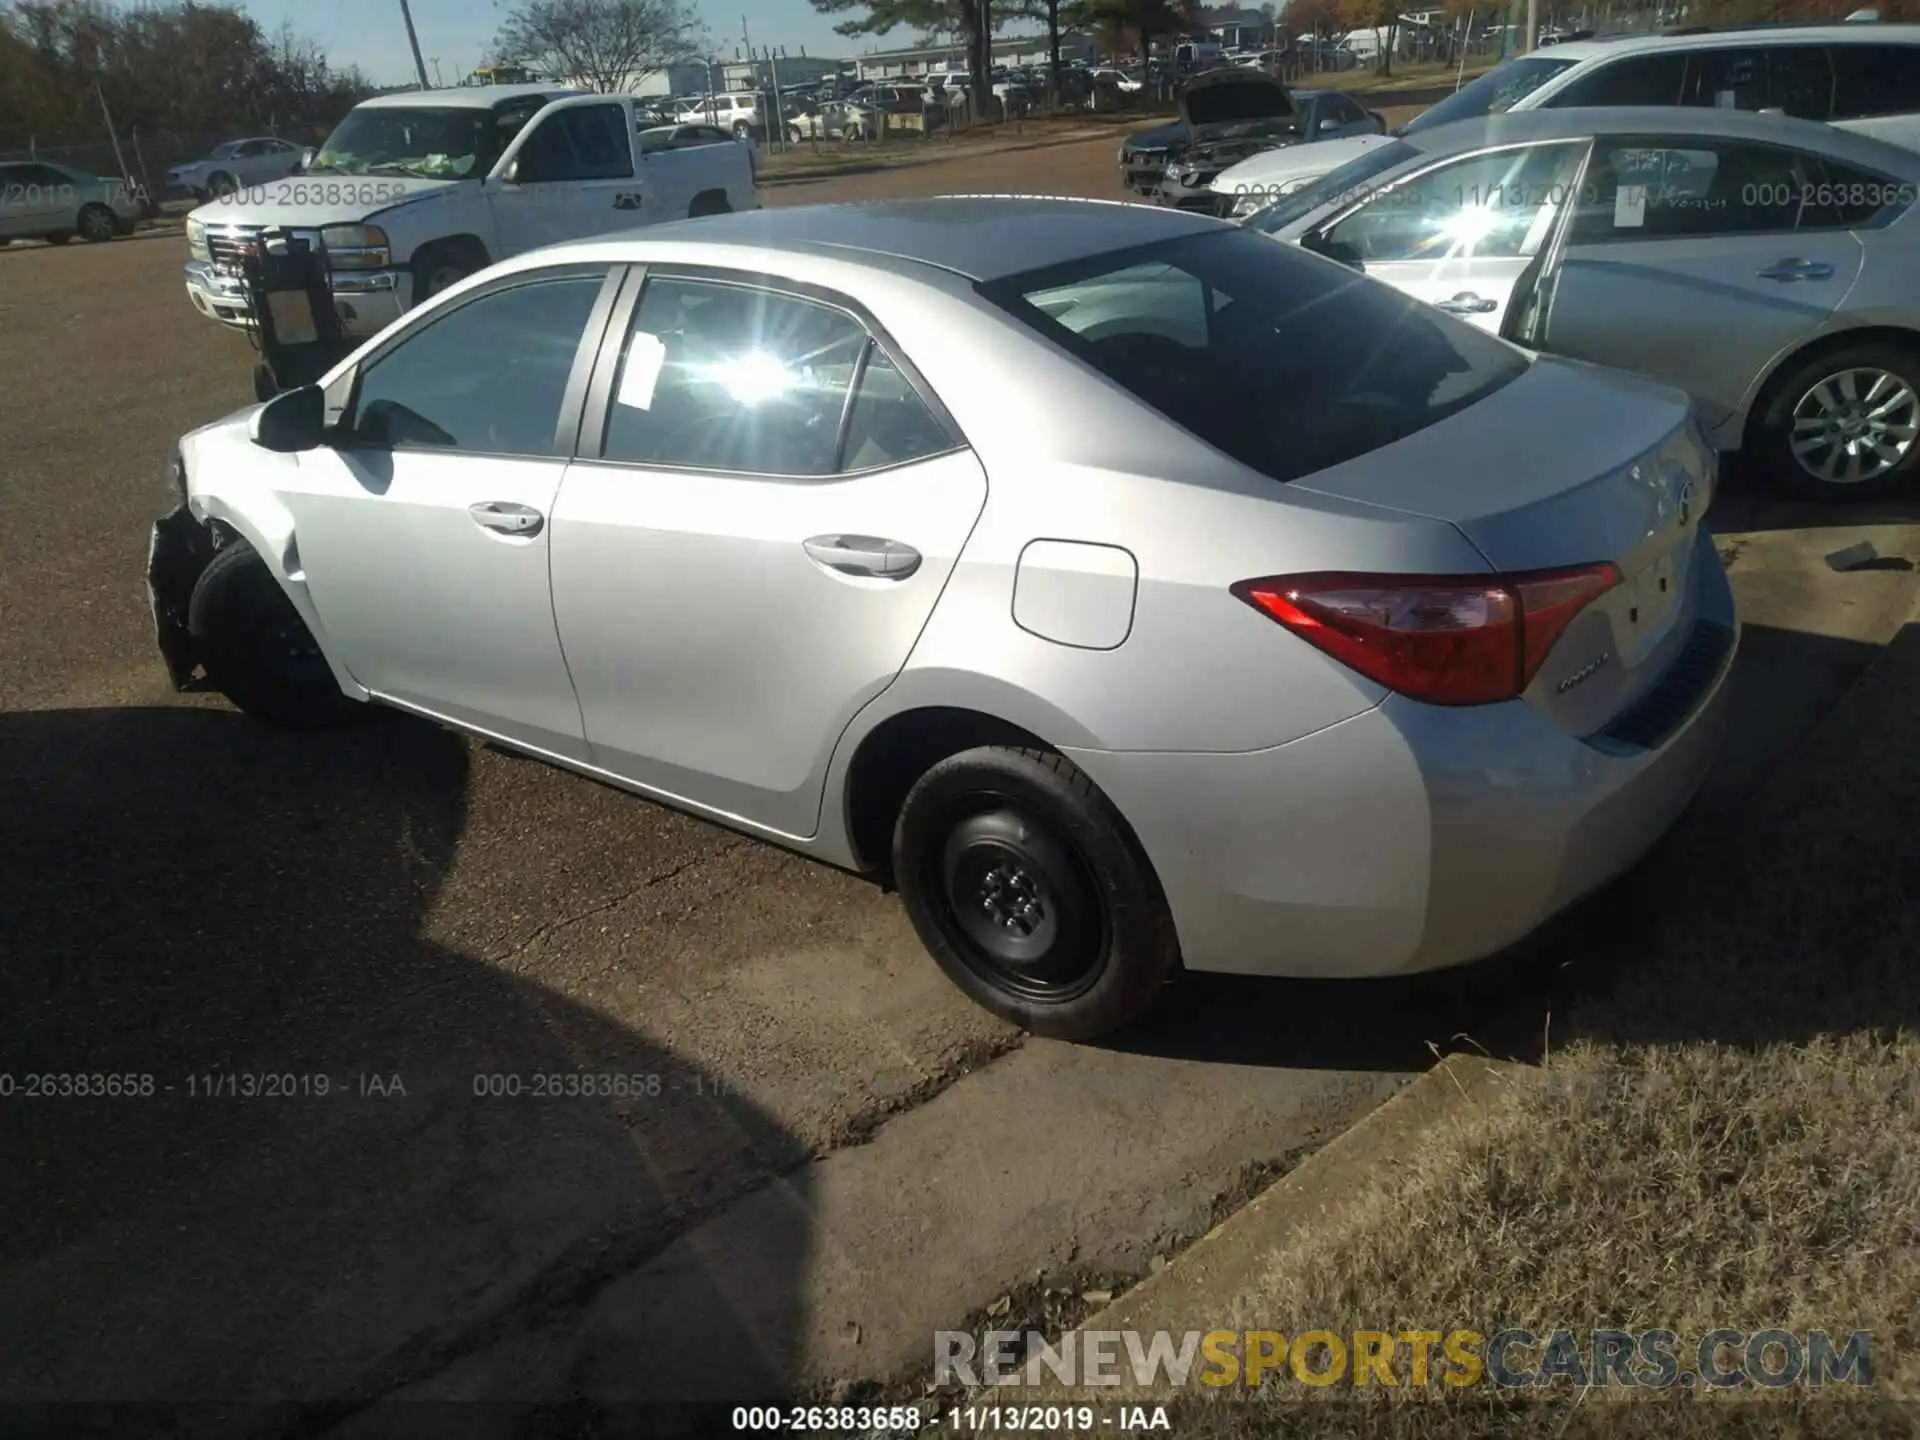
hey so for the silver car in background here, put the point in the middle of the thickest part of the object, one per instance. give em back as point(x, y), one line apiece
point(1128, 590)
point(1770, 267)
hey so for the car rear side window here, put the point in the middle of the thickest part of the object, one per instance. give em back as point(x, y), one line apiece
point(732, 378)
point(1874, 80)
point(1285, 361)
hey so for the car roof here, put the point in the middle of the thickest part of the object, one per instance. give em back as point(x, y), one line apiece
point(980, 237)
point(1854, 34)
point(468, 97)
point(1520, 126)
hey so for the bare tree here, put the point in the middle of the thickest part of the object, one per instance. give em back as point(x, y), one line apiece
point(604, 45)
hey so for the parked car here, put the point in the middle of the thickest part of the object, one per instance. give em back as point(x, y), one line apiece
point(1768, 266)
point(414, 192)
point(1324, 115)
point(1274, 660)
point(739, 113)
point(832, 121)
point(1864, 78)
point(43, 201)
point(235, 165)
point(1226, 116)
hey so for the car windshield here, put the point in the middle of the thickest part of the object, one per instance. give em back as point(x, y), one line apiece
point(1350, 178)
point(224, 151)
point(1285, 361)
point(445, 143)
point(1495, 92)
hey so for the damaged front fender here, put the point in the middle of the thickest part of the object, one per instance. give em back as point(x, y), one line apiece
point(180, 550)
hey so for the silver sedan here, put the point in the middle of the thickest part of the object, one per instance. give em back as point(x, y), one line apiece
point(1129, 591)
point(1768, 266)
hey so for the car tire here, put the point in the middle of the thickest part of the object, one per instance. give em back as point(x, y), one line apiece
point(220, 185)
point(256, 649)
point(1029, 891)
point(1827, 405)
point(795, 137)
point(741, 130)
point(97, 224)
point(441, 267)
point(59, 237)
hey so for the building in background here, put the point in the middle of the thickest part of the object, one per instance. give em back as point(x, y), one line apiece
point(926, 59)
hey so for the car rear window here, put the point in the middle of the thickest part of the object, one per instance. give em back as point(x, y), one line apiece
point(1286, 361)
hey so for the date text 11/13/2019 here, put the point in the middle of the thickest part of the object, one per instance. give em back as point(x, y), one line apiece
point(201, 1085)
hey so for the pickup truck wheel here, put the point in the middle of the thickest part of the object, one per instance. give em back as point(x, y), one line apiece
point(437, 269)
point(256, 649)
point(98, 223)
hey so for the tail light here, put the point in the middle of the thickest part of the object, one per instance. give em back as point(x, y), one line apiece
point(1444, 639)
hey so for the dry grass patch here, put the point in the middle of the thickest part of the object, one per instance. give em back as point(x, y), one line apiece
point(1730, 1136)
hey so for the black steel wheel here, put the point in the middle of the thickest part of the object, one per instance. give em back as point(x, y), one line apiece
point(1029, 891)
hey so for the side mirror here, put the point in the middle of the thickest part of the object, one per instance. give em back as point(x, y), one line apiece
point(512, 173)
point(307, 157)
point(292, 421)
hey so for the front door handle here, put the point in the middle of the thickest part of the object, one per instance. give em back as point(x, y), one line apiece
point(1790, 270)
point(865, 555)
point(503, 517)
point(1468, 303)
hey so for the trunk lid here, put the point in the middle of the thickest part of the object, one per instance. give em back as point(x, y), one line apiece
point(1568, 465)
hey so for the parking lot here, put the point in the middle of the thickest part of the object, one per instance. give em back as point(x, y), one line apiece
point(818, 1151)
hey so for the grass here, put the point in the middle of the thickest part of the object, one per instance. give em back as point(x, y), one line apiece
point(1725, 1133)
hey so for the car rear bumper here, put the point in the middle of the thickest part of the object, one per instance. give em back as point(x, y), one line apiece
point(368, 300)
point(1413, 837)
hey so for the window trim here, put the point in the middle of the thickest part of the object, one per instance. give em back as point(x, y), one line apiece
point(1886, 215)
point(591, 447)
point(339, 432)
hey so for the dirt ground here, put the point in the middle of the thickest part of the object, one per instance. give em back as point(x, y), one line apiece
point(315, 960)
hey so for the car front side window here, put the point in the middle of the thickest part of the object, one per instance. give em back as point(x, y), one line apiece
point(487, 377)
point(1496, 204)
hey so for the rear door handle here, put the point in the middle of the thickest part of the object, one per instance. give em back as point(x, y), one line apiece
point(1787, 271)
point(503, 517)
point(1468, 303)
point(866, 555)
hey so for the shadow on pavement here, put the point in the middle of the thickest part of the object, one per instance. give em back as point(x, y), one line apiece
point(1784, 682)
point(316, 1189)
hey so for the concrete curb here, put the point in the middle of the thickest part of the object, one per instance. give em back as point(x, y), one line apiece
point(1196, 1290)
point(1199, 1289)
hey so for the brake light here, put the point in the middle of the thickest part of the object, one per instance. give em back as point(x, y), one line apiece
point(1444, 639)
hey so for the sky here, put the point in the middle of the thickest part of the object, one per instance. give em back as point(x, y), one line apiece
point(370, 34)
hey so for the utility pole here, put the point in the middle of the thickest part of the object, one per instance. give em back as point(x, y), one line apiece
point(777, 126)
point(434, 60)
point(1533, 25)
point(413, 41)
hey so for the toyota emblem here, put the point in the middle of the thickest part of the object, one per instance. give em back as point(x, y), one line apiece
point(1684, 503)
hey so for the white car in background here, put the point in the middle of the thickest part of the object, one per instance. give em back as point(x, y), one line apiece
point(235, 165)
point(1864, 78)
point(43, 201)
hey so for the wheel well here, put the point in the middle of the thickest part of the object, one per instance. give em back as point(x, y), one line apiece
point(900, 750)
point(709, 202)
point(1825, 345)
point(471, 246)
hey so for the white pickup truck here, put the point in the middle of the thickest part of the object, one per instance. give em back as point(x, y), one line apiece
point(415, 191)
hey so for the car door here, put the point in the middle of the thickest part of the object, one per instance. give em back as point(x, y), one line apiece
point(1462, 233)
point(570, 172)
point(766, 506)
point(1697, 260)
point(423, 530)
point(36, 199)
